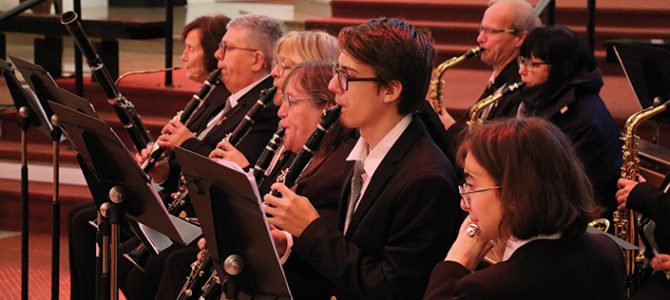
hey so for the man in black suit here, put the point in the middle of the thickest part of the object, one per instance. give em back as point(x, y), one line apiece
point(244, 56)
point(399, 211)
point(503, 28)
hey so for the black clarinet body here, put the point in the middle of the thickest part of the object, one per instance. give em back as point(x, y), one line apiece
point(200, 274)
point(123, 108)
point(185, 115)
point(266, 156)
point(311, 146)
point(245, 125)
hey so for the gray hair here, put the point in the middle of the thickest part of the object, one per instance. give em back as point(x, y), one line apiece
point(264, 32)
point(524, 18)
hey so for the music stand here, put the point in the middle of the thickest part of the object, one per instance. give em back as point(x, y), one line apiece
point(130, 190)
point(39, 79)
point(31, 113)
point(228, 206)
point(648, 72)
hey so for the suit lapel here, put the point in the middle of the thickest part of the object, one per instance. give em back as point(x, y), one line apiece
point(244, 104)
point(384, 173)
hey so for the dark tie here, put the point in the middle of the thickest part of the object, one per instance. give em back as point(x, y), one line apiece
point(356, 185)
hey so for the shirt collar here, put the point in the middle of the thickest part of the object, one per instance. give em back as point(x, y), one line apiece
point(234, 98)
point(372, 158)
point(513, 244)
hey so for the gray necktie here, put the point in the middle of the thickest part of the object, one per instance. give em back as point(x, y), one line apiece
point(215, 121)
point(356, 185)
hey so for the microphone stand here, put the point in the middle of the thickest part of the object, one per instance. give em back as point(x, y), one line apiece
point(24, 124)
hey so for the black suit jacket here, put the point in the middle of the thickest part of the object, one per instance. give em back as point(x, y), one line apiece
point(404, 224)
point(251, 146)
point(652, 202)
point(586, 267)
point(323, 188)
point(506, 107)
point(261, 132)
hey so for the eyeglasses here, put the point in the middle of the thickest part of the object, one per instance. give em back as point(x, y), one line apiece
point(289, 100)
point(225, 48)
point(282, 67)
point(465, 194)
point(529, 64)
point(488, 30)
point(343, 79)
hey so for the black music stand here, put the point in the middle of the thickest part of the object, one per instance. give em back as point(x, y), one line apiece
point(32, 113)
point(648, 72)
point(130, 190)
point(228, 205)
point(39, 79)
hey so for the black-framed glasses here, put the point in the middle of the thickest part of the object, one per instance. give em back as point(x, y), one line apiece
point(225, 48)
point(465, 193)
point(528, 63)
point(283, 68)
point(290, 100)
point(343, 79)
point(488, 30)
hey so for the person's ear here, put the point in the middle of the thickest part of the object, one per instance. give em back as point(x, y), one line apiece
point(520, 38)
point(392, 91)
point(258, 62)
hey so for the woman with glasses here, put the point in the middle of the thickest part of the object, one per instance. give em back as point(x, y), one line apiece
point(563, 85)
point(526, 185)
point(291, 49)
point(304, 100)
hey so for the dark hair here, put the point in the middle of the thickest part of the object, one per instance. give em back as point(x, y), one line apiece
point(212, 29)
point(396, 51)
point(313, 77)
point(561, 48)
point(544, 187)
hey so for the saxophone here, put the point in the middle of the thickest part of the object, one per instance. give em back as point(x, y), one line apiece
point(474, 115)
point(437, 82)
point(626, 222)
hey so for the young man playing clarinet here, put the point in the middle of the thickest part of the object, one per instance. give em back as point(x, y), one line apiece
point(402, 196)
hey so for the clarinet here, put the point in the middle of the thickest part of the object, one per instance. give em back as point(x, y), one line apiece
point(123, 108)
point(290, 175)
point(245, 125)
point(211, 288)
point(197, 278)
point(268, 153)
point(179, 199)
point(185, 115)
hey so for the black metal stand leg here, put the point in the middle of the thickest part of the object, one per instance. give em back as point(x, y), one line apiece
point(55, 205)
point(112, 211)
point(24, 125)
point(102, 259)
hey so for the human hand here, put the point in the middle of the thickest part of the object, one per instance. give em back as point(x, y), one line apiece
point(466, 250)
point(625, 186)
point(291, 212)
point(280, 239)
point(202, 245)
point(446, 118)
point(225, 150)
point(173, 134)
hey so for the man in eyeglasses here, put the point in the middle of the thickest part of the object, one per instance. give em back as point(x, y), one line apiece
point(503, 29)
point(244, 57)
point(399, 212)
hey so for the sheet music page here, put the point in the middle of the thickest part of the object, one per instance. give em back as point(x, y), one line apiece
point(252, 180)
